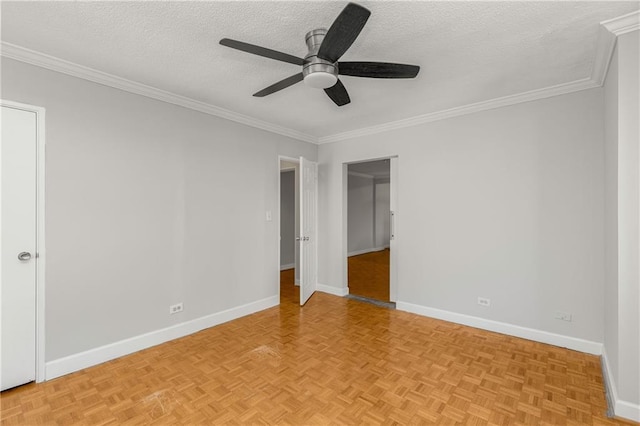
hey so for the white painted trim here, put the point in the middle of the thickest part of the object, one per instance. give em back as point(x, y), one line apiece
point(278, 242)
point(394, 215)
point(75, 362)
point(29, 56)
point(281, 158)
point(611, 394)
point(332, 290)
point(40, 233)
point(606, 44)
point(604, 52)
point(610, 30)
point(362, 175)
point(627, 410)
point(547, 92)
point(344, 225)
point(574, 343)
point(607, 36)
point(287, 266)
point(41, 251)
point(365, 251)
point(623, 24)
point(288, 159)
point(620, 408)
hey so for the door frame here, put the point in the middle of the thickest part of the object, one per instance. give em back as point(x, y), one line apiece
point(393, 258)
point(40, 232)
point(278, 208)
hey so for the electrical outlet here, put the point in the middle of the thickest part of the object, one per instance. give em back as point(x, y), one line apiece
point(174, 309)
point(564, 316)
point(483, 301)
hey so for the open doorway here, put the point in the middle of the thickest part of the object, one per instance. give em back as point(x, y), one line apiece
point(289, 230)
point(369, 232)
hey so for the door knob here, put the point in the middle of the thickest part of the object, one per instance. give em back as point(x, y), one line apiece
point(24, 256)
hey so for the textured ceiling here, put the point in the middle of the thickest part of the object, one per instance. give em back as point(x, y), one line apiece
point(468, 51)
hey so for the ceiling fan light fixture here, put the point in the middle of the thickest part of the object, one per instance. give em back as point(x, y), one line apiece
point(319, 73)
point(320, 80)
point(325, 48)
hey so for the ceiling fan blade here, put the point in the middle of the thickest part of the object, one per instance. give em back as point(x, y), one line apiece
point(261, 51)
point(343, 32)
point(377, 69)
point(338, 94)
point(282, 84)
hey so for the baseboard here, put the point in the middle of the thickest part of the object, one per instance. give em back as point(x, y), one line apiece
point(574, 343)
point(627, 410)
point(79, 361)
point(623, 409)
point(332, 290)
point(609, 383)
point(287, 266)
point(365, 251)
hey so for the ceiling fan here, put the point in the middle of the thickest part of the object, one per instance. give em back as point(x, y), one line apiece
point(320, 67)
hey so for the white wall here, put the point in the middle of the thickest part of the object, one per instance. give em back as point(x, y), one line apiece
point(382, 209)
point(611, 216)
point(368, 212)
point(361, 214)
point(622, 295)
point(628, 218)
point(147, 204)
point(287, 218)
point(505, 204)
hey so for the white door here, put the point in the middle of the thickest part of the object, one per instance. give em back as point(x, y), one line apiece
point(18, 247)
point(308, 229)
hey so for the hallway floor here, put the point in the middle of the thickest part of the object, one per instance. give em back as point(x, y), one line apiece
point(369, 275)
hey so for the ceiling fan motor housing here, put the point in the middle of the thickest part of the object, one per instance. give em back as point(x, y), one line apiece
point(320, 67)
point(317, 72)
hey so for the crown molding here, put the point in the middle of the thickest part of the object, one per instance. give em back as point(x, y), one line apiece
point(12, 51)
point(623, 24)
point(547, 92)
point(604, 52)
point(608, 32)
point(607, 36)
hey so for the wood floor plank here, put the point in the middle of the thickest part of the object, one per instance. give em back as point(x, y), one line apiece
point(333, 361)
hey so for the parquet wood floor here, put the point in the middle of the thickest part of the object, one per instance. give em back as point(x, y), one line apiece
point(334, 361)
point(369, 275)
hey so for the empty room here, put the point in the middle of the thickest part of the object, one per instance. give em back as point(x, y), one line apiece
point(320, 212)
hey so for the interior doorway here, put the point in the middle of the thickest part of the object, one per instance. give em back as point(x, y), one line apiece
point(369, 229)
point(302, 236)
point(289, 205)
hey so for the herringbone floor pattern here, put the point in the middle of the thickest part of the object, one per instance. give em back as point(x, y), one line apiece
point(334, 361)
